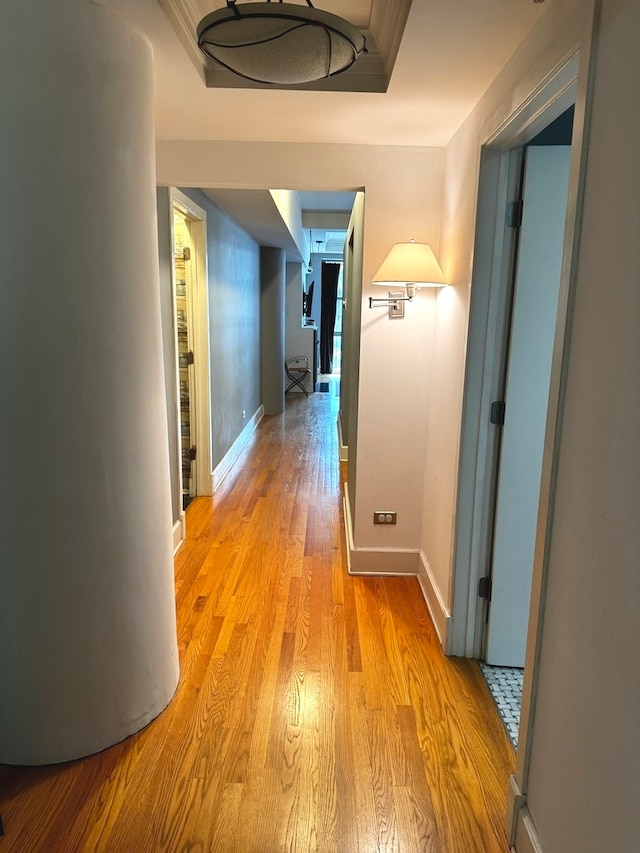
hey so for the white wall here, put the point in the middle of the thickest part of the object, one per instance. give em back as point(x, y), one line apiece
point(290, 209)
point(547, 45)
point(350, 370)
point(584, 779)
point(584, 782)
point(403, 200)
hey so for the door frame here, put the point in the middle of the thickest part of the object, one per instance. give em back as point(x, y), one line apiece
point(197, 219)
point(500, 159)
point(489, 319)
point(531, 324)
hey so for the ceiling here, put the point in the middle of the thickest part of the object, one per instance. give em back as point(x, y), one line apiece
point(441, 62)
point(325, 218)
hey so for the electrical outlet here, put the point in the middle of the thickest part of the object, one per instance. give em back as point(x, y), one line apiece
point(244, 413)
point(383, 516)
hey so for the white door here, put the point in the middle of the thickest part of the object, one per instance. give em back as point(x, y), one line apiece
point(533, 320)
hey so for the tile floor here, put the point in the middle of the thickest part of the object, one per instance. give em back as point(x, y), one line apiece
point(505, 684)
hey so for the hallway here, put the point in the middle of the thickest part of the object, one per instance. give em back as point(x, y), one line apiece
point(315, 711)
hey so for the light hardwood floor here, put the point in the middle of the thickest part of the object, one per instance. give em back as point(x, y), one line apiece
point(315, 711)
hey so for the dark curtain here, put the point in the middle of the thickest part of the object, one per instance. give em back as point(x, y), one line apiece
point(328, 302)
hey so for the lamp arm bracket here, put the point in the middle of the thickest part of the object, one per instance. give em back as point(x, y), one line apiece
point(375, 302)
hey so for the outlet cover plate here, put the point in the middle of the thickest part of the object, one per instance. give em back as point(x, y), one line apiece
point(383, 516)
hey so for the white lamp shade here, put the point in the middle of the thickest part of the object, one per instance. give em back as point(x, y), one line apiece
point(410, 263)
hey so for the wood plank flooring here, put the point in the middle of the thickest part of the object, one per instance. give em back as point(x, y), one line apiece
point(315, 711)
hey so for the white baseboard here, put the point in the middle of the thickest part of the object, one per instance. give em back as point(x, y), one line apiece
point(519, 826)
point(515, 802)
point(344, 450)
point(376, 561)
point(527, 838)
point(179, 532)
point(226, 463)
point(440, 615)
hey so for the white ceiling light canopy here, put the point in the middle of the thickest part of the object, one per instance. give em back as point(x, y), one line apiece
point(280, 43)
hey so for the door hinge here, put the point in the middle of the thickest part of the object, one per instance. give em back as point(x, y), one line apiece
point(186, 254)
point(192, 453)
point(514, 213)
point(484, 588)
point(497, 412)
point(189, 357)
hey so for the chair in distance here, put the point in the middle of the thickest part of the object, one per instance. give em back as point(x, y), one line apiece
point(297, 370)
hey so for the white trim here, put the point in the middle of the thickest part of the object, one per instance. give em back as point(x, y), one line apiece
point(376, 561)
point(556, 397)
point(199, 322)
point(527, 839)
point(515, 801)
point(179, 532)
point(551, 97)
point(226, 463)
point(344, 449)
point(552, 92)
point(439, 612)
point(493, 250)
point(348, 526)
point(383, 562)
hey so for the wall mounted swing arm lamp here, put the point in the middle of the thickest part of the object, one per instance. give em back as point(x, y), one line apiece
point(410, 265)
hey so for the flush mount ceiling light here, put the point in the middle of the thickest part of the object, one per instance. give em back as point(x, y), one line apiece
point(280, 43)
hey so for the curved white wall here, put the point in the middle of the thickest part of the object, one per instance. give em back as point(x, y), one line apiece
point(88, 651)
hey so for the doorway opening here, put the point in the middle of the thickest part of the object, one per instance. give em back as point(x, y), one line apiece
point(184, 333)
point(330, 327)
point(190, 300)
point(538, 217)
point(504, 332)
point(326, 285)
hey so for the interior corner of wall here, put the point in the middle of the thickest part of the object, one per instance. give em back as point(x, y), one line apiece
point(376, 561)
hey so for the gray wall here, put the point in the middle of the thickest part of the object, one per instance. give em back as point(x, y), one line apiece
point(584, 783)
point(234, 324)
point(272, 308)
